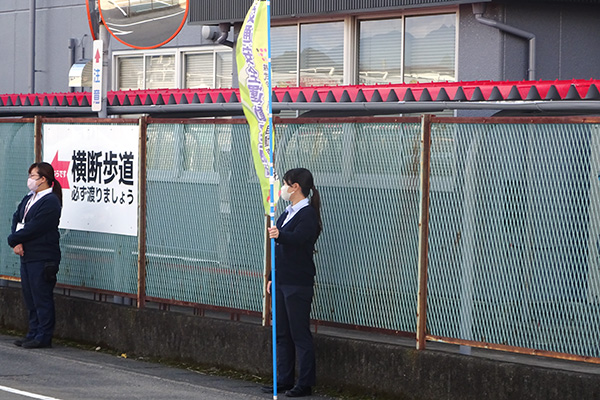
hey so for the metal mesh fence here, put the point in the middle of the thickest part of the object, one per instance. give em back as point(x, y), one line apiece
point(367, 175)
point(16, 155)
point(206, 230)
point(513, 246)
point(205, 218)
point(98, 260)
point(514, 228)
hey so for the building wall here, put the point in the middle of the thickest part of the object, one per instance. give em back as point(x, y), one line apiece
point(479, 47)
point(235, 10)
point(13, 30)
point(566, 38)
point(56, 22)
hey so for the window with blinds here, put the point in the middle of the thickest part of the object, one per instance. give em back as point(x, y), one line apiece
point(160, 72)
point(407, 49)
point(380, 51)
point(130, 73)
point(322, 54)
point(212, 69)
point(430, 48)
point(199, 70)
point(224, 69)
point(284, 56)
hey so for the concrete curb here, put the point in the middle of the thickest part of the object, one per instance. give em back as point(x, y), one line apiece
point(361, 366)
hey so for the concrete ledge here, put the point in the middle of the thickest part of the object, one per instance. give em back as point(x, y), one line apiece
point(362, 366)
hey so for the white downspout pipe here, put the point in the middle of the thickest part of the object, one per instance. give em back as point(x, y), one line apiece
point(479, 9)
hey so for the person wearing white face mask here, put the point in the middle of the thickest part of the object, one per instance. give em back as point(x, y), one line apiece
point(295, 234)
point(35, 238)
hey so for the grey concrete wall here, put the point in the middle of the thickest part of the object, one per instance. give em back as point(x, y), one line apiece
point(580, 42)
point(480, 48)
point(364, 366)
point(14, 21)
point(567, 37)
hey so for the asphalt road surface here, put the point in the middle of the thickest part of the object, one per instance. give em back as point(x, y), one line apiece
point(68, 373)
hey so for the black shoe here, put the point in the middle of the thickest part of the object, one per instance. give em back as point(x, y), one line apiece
point(299, 391)
point(280, 388)
point(35, 344)
point(19, 342)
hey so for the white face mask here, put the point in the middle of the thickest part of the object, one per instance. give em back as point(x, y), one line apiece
point(32, 184)
point(285, 194)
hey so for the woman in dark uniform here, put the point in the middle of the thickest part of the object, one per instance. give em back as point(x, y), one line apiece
point(295, 234)
point(35, 237)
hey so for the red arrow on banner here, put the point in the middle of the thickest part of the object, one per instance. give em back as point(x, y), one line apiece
point(61, 171)
point(97, 56)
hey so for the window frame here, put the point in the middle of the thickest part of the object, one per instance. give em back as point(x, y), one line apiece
point(352, 36)
point(179, 54)
point(409, 13)
point(141, 53)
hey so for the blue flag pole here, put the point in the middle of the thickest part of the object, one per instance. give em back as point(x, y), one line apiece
point(272, 205)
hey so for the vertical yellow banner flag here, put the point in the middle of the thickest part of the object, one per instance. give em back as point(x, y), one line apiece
point(253, 73)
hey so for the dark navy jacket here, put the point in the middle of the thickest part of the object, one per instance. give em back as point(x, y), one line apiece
point(294, 248)
point(40, 236)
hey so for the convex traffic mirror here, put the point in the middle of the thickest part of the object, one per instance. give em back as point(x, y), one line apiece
point(143, 24)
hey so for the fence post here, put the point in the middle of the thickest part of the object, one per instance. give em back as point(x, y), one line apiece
point(37, 132)
point(141, 292)
point(266, 315)
point(423, 229)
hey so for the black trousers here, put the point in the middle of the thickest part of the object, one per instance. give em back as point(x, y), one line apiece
point(294, 339)
point(37, 283)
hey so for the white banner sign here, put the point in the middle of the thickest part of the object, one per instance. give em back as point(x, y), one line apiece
point(97, 167)
point(97, 75)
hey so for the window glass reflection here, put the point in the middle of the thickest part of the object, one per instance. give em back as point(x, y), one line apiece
point(224, 69)
point(284, 56)
point(199, 71)
point(380, 52)
point(322, 54)
point(430, 47)
point(160, 72)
